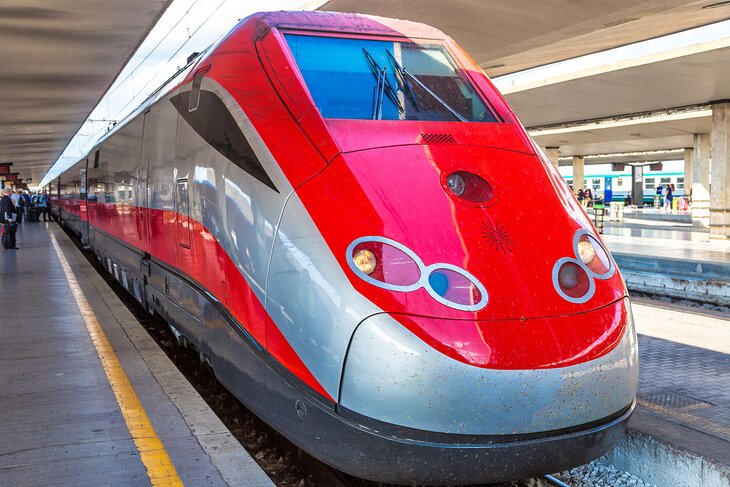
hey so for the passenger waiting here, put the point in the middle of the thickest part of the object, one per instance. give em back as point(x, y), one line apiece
point(8, 216)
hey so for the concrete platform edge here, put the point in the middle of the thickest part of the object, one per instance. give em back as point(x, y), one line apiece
point(663, 464)
point(703, 291)
point(224, 451)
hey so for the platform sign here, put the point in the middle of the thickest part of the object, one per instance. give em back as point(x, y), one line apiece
point(4, 168)
point(637, 186)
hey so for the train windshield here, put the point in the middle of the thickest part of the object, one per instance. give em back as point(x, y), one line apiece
point(385, 80)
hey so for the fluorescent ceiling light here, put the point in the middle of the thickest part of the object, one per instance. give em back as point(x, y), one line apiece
point(622, 122)
point(700, 39)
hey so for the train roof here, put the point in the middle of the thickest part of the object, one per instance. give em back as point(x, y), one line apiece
point(263, 22)
point(343, 23)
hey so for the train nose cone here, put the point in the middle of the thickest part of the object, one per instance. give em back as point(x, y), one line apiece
point(393, 376)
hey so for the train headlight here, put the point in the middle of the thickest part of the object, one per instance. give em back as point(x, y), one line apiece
point(594, 256)
point(574, 283)
point(456, 183)
point(469, 187)
point(388, 264)
point(365, 260)
point(574, 278)
point(586, 251)
point(568, 276)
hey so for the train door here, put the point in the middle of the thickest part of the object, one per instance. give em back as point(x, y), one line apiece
point(83, 215)
point(182, 210)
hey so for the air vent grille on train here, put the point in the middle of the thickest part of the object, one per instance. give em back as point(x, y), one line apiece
point(437, 139)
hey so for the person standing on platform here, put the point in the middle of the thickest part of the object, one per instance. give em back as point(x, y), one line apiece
point(28, 206)
point(42, 204)
point(15, 198)
point(668, 199)
point(8, 215)
point(20, 207)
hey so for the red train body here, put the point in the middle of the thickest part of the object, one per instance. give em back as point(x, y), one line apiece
point(329, 258)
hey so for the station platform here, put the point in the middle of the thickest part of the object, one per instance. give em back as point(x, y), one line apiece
point(673, 260)
point(680, 431)
point(88, 398)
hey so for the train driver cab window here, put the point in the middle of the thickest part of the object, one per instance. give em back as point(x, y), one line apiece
point(386, 80)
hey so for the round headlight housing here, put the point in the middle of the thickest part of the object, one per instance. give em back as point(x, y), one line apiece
point(573, 280)
point(469, 187)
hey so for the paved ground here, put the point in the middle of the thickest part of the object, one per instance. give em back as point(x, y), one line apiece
point(61, 421)
point(684, 393)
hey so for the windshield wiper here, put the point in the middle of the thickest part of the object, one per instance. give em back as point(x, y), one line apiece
point(382, 86)
point(403, 72)
point(401, 78)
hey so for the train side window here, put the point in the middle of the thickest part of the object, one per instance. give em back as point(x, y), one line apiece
point(649, 183)
point(195, 92)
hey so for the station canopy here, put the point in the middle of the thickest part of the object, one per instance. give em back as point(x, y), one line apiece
point(505, 36)
point(58, 60)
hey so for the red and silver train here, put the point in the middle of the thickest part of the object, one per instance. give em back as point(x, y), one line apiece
point(329, 207)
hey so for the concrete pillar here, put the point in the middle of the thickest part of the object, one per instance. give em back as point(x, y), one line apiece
point(578, 173)
point(552, 153)
point(689, 163)
point(720, 193)
point(701, 181)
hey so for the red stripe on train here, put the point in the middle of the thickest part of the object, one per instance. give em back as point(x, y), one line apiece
point(206, 262)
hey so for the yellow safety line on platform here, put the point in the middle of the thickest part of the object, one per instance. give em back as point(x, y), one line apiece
point(160, 469)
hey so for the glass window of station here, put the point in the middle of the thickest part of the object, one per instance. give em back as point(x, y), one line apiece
point(385, 80)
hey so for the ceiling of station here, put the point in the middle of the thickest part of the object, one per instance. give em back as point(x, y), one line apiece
point(653, 133)
point(59, 58)
point(505, 36)
point(691, 78)
point(628, 158)
point(695, 77)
